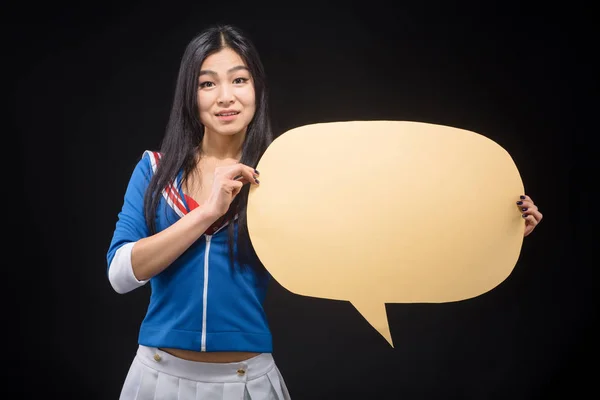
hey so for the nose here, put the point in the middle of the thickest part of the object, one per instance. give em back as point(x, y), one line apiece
point(225, 95)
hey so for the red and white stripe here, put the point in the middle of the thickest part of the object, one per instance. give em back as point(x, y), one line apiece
point(170, 193)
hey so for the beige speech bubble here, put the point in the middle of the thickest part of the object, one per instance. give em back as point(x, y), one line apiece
point(377, 212)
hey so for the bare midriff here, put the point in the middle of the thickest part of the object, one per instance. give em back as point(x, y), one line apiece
point(211, 357)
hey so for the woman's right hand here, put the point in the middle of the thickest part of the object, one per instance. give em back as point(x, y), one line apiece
point(228, 182)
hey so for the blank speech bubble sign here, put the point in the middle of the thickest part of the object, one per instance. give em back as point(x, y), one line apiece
point(376, 212)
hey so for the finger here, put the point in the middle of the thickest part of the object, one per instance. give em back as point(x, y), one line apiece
point(528, 209)
point(533, 211)
point(530, 223)
point(244, 180)
point(525, 202)
point(236, 187)
point(241, 178)
point(528, 230)
point(231, 172)
point(536, 215)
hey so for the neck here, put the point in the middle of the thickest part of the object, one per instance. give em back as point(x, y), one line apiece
point(223, 146)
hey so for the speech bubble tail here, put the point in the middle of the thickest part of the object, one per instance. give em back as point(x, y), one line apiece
point(376, 315)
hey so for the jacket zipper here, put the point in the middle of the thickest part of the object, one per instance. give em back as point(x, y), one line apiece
point(205, 293)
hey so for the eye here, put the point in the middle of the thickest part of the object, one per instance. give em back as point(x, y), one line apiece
point(205, 84)
point(238, 81)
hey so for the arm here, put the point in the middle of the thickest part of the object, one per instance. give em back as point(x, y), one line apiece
point(135, 256)
point(151, 255)
point(134, 263)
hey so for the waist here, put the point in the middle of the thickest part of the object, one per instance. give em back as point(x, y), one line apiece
point(240, 371)
point(211, 357)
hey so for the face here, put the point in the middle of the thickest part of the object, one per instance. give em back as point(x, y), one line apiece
point(226, 100)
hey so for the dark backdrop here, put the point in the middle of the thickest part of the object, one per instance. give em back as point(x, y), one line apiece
point(90, 88)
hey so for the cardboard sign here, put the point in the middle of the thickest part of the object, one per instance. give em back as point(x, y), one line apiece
point(377, 212)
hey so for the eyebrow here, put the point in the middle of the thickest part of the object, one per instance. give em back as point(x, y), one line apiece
point(234, 69)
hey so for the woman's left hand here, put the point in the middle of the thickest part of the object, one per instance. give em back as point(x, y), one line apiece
point(530, 213)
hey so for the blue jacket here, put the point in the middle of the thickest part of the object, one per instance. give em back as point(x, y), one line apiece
point(199, 302)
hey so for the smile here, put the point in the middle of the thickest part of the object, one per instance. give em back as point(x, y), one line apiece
point(227, 116)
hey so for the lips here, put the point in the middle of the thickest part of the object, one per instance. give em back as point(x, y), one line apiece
point(227, 113)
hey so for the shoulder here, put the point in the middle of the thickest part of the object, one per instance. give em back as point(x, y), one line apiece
point(151, 158)
point(148, 162)
point(146, 166)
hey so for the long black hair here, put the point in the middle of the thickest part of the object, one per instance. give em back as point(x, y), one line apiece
point(184, 131)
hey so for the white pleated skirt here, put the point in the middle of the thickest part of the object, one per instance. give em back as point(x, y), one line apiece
point(158, 375)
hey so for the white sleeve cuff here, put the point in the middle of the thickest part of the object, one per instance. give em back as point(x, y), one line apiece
point(120, 272)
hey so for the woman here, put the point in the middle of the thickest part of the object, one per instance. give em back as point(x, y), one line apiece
point(183, 228)
point(205, 334)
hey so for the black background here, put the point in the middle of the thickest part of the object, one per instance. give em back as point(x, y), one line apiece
point(90, 86)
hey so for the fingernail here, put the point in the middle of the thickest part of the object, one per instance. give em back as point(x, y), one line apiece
point(524, 209)
point(259, 173)
point(524, 215)
point(519, 203)
point(256, 180)
point(522, 197)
